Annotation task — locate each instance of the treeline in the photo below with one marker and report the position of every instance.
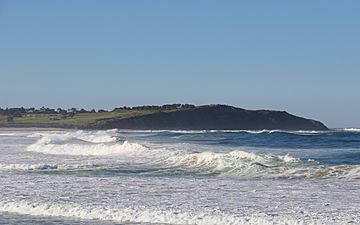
(19, 112)
(156, 107)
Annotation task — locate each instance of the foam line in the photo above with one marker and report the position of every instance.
(145, 215)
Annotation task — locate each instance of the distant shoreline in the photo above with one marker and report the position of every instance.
(166, 117)
(32, 129)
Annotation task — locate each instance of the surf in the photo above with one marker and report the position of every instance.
(144, 215)
(181, 158)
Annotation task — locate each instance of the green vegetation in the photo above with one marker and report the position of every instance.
(74, 118)
(166, 117)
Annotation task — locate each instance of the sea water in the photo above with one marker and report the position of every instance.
(180, 177)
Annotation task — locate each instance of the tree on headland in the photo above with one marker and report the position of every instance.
(73, 110)
(83, 111)
(156, 107)
(61, 111)
(21, 111)
(15, 112)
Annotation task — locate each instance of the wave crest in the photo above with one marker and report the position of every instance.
(82, 143)
(181, 158)
(93, 137)
(352, 129)
(235, 163)
(45, 145)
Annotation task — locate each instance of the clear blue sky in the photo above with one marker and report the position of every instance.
(298, 56)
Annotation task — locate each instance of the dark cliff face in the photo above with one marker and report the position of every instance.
(217, 117)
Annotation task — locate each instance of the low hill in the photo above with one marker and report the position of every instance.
(166, 117)
(212, 117)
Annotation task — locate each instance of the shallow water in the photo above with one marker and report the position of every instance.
(180, 177)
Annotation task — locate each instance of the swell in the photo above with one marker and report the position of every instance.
(180, 159)
(256, 170)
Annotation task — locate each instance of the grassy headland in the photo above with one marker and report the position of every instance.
(166, 117)
(75, 118)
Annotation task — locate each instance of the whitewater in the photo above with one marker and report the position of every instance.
(180, 177)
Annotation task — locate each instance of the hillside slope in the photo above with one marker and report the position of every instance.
(213, 117)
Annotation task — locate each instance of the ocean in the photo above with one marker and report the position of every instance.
(180, 177)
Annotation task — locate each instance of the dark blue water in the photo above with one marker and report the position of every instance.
(334, 147)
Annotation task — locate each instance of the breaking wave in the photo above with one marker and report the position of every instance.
(254, 170)
(300, 132)
(179, 159)
(47, 146)
(82, 143)
(101, 136)
(352, 129)
(7, 134)
(146, 215)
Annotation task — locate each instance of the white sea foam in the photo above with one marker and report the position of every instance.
(92, 175)
(196, 164)
(247, 164)
(216, 131)
(7, 134)
(148, 215)
(67, 144)
(46, 145)
(14, 134)
(352, 129)
(300, 132)
(39, 166)
(186, 131)
(342, 171)
(236, 163)
(82, 143)
(19, 166)
(94, 136)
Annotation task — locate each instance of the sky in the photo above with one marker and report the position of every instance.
(298, 56)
